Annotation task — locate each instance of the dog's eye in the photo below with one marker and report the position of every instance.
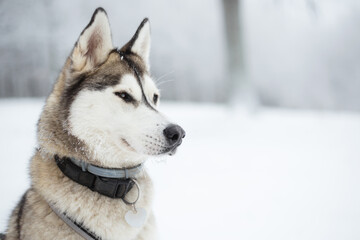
(155, 98)
(124, 96)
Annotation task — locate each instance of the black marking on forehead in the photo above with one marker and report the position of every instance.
(131, 64)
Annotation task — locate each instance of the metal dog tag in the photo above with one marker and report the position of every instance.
(136, 218)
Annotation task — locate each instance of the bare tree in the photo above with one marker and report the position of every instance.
(239, 86)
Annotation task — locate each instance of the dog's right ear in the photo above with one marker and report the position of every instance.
(93, 45)
(140, 42)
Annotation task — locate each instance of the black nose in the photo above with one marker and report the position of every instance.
(174, 134)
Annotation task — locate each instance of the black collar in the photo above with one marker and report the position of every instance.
(109, 187)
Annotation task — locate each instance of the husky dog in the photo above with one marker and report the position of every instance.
(99, 124)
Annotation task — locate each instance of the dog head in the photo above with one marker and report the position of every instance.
(108, 99)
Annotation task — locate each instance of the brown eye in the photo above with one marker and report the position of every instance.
(124, 96)
(155, 98)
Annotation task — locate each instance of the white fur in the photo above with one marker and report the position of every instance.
(101, 119)
(150, 89)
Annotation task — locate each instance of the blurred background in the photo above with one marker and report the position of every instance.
(293, 53)
(268, 92)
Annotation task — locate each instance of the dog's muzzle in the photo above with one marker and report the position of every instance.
(174, 135)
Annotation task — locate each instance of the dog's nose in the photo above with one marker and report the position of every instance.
(174, 134)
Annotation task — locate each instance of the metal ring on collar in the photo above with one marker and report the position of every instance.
(138, 196)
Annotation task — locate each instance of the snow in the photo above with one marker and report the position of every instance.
(268, 174)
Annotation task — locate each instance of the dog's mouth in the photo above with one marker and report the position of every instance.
(172, 150)
(158, 149)
(127, 144)
(155, 146)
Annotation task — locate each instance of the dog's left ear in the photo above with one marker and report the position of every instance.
(140, 42)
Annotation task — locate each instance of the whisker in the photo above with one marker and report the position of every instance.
(161, 83)
(164, 75)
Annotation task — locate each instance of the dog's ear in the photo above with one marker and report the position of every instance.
(94, 43)
(140, 42)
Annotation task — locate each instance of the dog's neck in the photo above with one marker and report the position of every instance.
(114, 158)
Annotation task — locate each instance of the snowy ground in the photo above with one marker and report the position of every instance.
(273, 174)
